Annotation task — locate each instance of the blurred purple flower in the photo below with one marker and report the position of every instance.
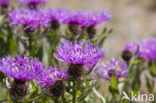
(29, 18)
(50, 76)
(132, 46)
(59, 14)
(87, 18)
(21, 69)
(106, 70)
(4, 3)
(79, 53)
(147, 48)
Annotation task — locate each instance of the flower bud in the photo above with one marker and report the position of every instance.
(74, 28)
(91, 30)
(18, 90)
(54, 25)
(76, 71)
(127, 55)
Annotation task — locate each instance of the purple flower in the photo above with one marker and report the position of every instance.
(132, 46)
(106, 70)
(79, 53)
(147, 48)
(35, 2)
(4, 3)
(59, 14)
(50, 76)
(87, 18)
(21, 69)
(29, 18)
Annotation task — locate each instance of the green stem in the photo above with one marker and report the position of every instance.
(30, 44)
(74, 91)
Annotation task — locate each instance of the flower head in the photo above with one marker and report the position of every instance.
(51, 76)
(87, 18)
(79, 53)
(29, 18)
(21, 69)
(106, 70)
(4, 3)
(147, 48)
(59, 14)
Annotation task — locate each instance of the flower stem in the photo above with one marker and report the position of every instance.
(30, 44)
(74, 91)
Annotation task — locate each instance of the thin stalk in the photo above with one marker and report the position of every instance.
(30, 44)
(74, 91)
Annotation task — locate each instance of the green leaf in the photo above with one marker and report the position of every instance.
(102, 99)
(86, 92)
(150, 85)
(153, 69)
(82, 36)
(69, 34)
(114, 88)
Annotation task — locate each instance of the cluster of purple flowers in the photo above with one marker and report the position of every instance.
(27, 68)
(147, 48)
(32, 18)
(106, 70)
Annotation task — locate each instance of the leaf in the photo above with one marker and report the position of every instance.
(86, 92)
(150, 85)
(91, 69)
(102, 41)
(102, 99)
(103, 33)
(153, 69)
(82, 36)
(136, 61)
(70, 36)
(114, 88)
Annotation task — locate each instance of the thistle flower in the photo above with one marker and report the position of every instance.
(30, 19)
(32, 3)
(147, 48)
(52, 80)
(78, 54)
(4, 3)
(106, 70)
(21, 70)
(57, 16)
(51, 76)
